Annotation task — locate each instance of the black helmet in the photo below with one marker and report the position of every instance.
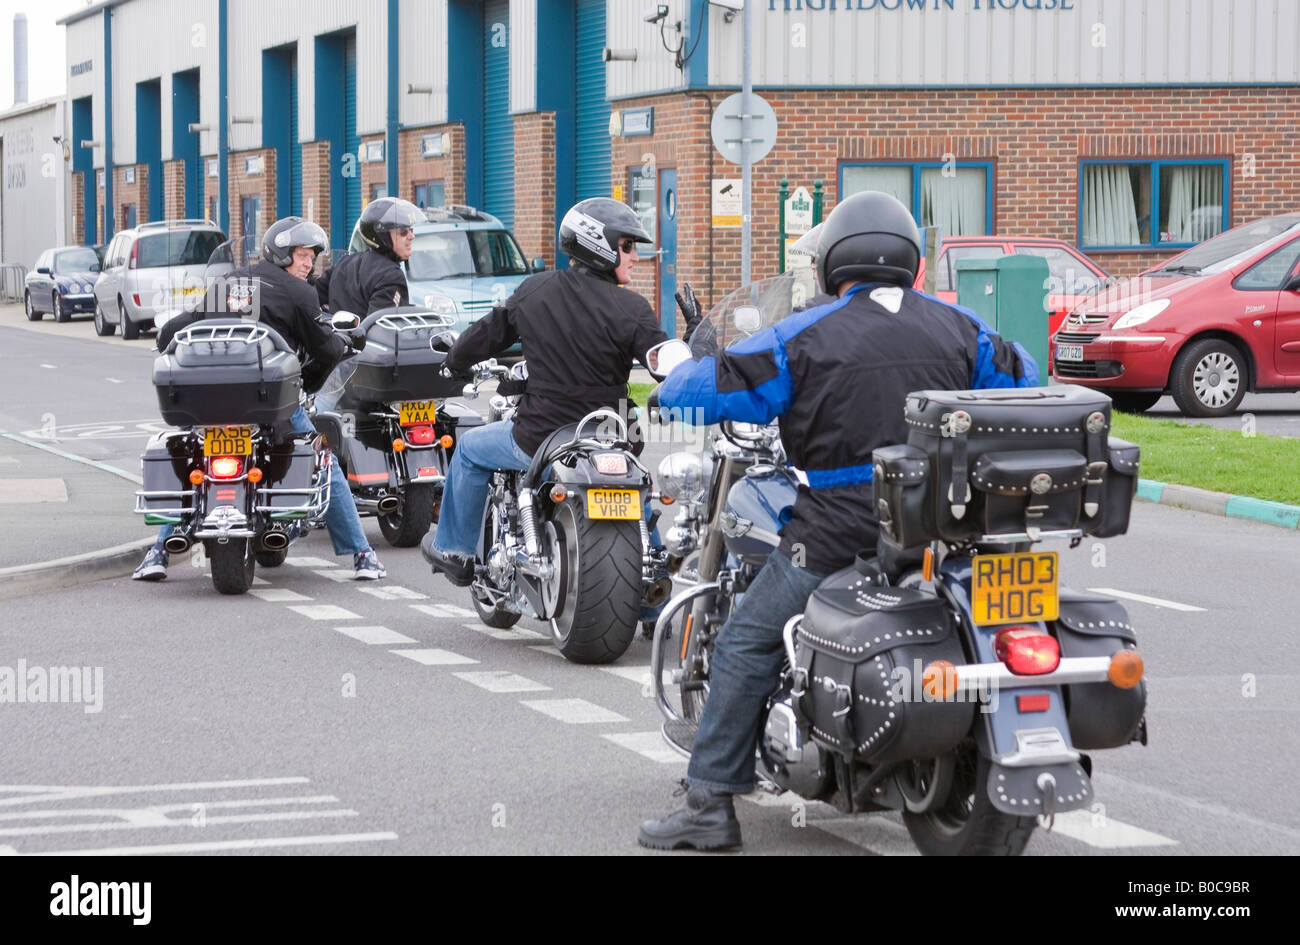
(384, 214)
(283, 235)
(590, 231)
(869, 237)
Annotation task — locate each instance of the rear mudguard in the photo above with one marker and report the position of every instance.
(1034, 767)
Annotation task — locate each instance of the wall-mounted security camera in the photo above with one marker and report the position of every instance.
(659, 12)
(620, 55)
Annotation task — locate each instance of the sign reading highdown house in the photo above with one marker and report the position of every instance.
(855, 5)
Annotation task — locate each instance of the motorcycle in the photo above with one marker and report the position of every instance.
(947, 675)
(566, 541)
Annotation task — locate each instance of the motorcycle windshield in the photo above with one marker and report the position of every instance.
(760, 305)
(332, 389)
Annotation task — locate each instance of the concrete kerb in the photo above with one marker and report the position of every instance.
(118, 561)
(1219, 503)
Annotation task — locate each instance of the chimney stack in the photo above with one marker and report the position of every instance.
(20, 58)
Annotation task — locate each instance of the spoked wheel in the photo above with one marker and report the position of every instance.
(492, 614)
(697, 654)
(32, 314)
(1209, 378)
(103, 327)
(61, 314)
(925, 782)
(965, 823)
(405, 527)
(598, 572)
(232, 565)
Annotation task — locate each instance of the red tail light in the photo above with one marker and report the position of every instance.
(1027, 651)
(420, 436)
(225, 467)
(136, 296)
(1039, 702)
(135, 258)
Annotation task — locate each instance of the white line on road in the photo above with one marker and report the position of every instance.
(443, 610)
(1106, 832)
(499, 680)
(114, 380)
(574, 711)
(1142, 598)
(51, 367)
(48, 793)
(185, 821)
(335, 574)
(435, 657)
(393, 592)
(514, 633)
(375, 635)
(648, 745)
(309, 563)
(217, 845)
(278, 595)
(879, 835)
(325, 612)
(548, 649)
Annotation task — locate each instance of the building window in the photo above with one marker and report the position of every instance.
(430, 193)
(957, 198)
(1151, 204)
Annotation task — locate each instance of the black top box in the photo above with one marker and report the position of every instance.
(397, 362)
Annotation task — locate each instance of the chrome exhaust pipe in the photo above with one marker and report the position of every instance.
(388, 504)
(659, 592)
(274, 541)
(175, 544)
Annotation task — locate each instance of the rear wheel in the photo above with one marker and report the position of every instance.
(405, 527)
(598, 564)
(103, 327)
(1133, 401)
(130, 329)
(60, 313)
(32, 314)
(966, 823)
(232, 565)
(1209, 378)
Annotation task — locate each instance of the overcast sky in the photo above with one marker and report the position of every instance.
(47, 71)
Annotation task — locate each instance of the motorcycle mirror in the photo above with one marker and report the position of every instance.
(469, 392)
(344, 321)
(747, 319)
(663, 357)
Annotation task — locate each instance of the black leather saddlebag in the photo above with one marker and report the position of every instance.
(1100, 715)
(860, 656)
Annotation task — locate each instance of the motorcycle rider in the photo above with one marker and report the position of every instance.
(275, 291)
(862, 352)
(366, 282)
(580, 332)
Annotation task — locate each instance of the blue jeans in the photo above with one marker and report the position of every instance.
(341, 517)
(746, 668)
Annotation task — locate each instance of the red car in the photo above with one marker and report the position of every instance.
(1208, 325)
(1073, 275)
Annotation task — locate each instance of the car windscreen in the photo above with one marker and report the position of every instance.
(76, 260)
(181, 248)
(1227, 249)
(464, 254)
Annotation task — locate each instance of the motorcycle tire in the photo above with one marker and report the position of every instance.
(694, 684)
(268, 558)
(405, 527)
(601, 568)
(232, 565)
(967, 823)
(494, 615)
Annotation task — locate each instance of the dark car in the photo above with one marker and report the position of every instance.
(63, 283)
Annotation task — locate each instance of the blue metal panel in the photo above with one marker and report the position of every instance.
(697, 40)
(331, 126)
(498, 126)
(391, 124)
(277, 108)
(295, 141)
(83, 129)
(465, 87)
(352, 141)
(592, 121)
(148, 141)
(185, 143)
(556, 93)
(108, 124)
(223, 122)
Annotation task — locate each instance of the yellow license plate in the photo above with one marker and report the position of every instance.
(192, 290)
(415, 412)
(228, 441)
(614, 503)
(1015, 588)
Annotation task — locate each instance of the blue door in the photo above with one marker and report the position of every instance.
(668, 250)
(591, 125)
(498, 125)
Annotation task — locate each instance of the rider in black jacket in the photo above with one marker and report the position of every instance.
(365, 282)
(580, 331)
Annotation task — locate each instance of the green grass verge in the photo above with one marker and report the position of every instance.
(1265, 467)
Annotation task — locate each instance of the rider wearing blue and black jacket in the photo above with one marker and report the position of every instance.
(836, 376)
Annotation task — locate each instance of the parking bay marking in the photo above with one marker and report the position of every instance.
(1153, 601)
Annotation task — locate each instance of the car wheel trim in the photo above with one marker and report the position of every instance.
(1215, 379)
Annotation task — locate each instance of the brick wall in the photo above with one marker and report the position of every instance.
(101, 220)
(135, 193)
(316, 183)
(78, 208)
(241, 185)
(373, 173)
(413, 168)
(211, 192)
(174, 190)
(535, 210)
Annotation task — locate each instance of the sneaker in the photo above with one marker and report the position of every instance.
(367, 567)
(153, 567)
(458, 568)
(707, 821)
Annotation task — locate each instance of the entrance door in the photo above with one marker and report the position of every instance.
(668, 250)
(252, 222)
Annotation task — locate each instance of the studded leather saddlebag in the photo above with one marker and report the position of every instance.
(1100, 715)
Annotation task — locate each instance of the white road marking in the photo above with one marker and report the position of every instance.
(217, 845)
(381, 636)
(1142, 598)
(443, 610)
(648, 745)
(32, 491)
(51, 367)
(9, 461)
(637, 674)
(185, 820)
(114, 380)
(514, 633)
(310, 563)
(1106, 832)
(435, 657)
(325, 612)
(47, 793)
(278, 595)
(498, 680)
(548, 649)
(335, 574)
(880, 835)
(393, 592)
(574, 711)
(260, 581)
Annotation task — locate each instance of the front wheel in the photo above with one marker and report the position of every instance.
(1209, 378)
(598, 564)
(405, 527)
(966, 823)
(103, 327)
(232, 565)
(1134, 401)
(61, 314)
(32, 314)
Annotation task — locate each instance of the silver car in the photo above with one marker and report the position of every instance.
(153, 268)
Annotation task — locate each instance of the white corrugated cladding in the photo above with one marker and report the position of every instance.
(523, 56)
(85, 44)
(654, 69)
(963, 42)
(151, 40)
(256, 25)
(422, 46)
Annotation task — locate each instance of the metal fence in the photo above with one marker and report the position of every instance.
(13, 278)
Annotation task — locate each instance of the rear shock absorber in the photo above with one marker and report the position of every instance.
(527, 522)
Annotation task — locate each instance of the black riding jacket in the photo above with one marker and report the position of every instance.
(264, 292)
(837, 375)
(580, 333)
(362, 283)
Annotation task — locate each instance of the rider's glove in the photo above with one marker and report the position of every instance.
(704, 341)
(357, 338)
(690, 307)
(443, 341)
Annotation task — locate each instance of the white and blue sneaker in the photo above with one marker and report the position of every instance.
(366, 566)
(153, 567)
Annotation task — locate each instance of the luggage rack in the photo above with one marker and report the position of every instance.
(317, 498)
(414, 321)
(1035, 535)
(246, 333)
(167, 515)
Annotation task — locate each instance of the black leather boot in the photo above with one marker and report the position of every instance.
(459, 570)
(707, 821)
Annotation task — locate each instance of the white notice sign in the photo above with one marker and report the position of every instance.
(727, 203)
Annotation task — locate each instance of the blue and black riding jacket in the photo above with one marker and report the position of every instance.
(837, 375)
